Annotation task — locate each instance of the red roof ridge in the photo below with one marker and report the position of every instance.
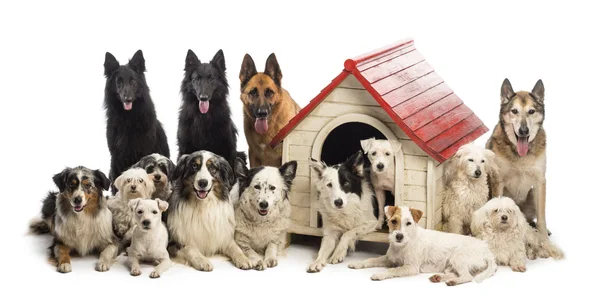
(351, 64)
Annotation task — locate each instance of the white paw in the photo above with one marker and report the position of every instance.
(271, 262)
(154, 274)
(243, 263)
(518, 268)
(315, 267)
(135, 272)
(260, 265)
(202, 264)
(338, 257)
(64, 267)
(102, 266)
(380, 276)
(356, 265)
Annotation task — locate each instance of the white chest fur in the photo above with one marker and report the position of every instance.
(85, 233)
(149, 245)
(384, 181)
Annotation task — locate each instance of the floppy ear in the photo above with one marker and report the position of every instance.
(101, 180)
(170, 169)
(389, 211)
(288, 172)
(150, 187)
(479, 220)
(356, 162)
(191, 61)
(396, 145)
(137, 62)
(240, 170)
(247, 71)
(366, 144)
(317, 166)
(272, 69)
(60, 179)
(416, 214)
(521, 220)
(506, 91)
(538, 91)
(219, 60)
(119, 181)
(133, 203)
(110, 64)
(162, 205)
(180, 168)
(225, 171)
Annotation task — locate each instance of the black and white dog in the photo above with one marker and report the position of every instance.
(200, 218)
(160, 170)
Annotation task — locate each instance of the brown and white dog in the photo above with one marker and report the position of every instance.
(519, 143)
(268, 107)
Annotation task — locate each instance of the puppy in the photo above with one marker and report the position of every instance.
(78, 218)
(503, 226)
(262, 212)
(383, 169)
(150, 238)
(132, 183)
(465, 187)
(159, 168)
(201, 218)
(415, 250)
(346, 205)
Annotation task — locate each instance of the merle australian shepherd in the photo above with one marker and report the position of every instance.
(132, 129)
(205, 117)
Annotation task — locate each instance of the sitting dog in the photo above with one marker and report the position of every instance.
(159, 168)
(415, 250)
(466, 188)
(346, 205)
(132, 183)
(503, 226)
(263, 210)
(383, 169)
(150, 238)
(78, 218)
(200, 218)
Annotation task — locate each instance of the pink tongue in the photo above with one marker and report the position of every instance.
(127, 105)
(202, 194)
(261, 125)
(522, 146)
(204, 106)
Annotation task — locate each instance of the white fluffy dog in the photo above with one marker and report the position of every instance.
(415, 250)
(150, 238)
(383, 169)
(132, 183)
(466, 188)
(501, 223)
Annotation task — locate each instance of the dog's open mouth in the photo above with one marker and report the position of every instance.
(261, 125)
(202, 194)
(263, 212)
(78, 208)
(522, 145)
(127, 105)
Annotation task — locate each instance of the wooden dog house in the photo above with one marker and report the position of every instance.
(390, 93)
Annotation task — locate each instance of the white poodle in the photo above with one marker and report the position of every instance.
(466, 187)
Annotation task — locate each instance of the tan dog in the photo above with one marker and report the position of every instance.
(268, 107)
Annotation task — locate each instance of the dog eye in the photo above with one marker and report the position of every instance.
(140, 212)
(133, 82)
(329, 185)
(496, 211)
(394, 222)
(268, 93)
(194, 166)
(373, 153)
(257, 186)
(73, 185)
(514, 111)
(408, 224)
(531, 111)
(149, 169)
(387, 154)
(141, 180)
(272, 187)
(482, 161)
(211, 78)
(471, 159)
(253, 92)
(128, 180)
(155, 212)
(162, 167)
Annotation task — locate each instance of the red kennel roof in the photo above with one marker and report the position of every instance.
(413, 95)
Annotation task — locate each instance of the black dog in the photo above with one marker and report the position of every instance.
(204, 117)
(132, 129)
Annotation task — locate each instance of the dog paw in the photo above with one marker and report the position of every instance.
(436, 278)
(243, 264)
(102, 266)
(135, 272)
(518, 268)
(451, 283)
(260, 265)
(271, 262)
(338, 257)
(154, 274)
(64, 267)
(315, 267)
(202, 264)
(380, 276)
(356, 265)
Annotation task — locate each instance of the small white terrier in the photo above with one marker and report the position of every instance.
(383, 169)
(415, 250)
(150, 238)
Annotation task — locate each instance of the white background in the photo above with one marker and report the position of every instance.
(52, 89)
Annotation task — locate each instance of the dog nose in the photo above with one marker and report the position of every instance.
(77, 200)
(338, 202)
(477, 173)
(203, 97)
(146, 223)
(261, 113)
(380, 166)
(263, 204)
(399, 236)
(504, 218)
(133, 187)
(523, 131)
(203, 183)
(157, 177)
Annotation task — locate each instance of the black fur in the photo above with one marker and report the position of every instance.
(349, 176)
(150, 164)
(135, 133)
(189, 164)
(213, 131)
(244, 175)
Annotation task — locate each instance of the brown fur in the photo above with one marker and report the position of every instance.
(394, 216)
(62, 254)
(91, 207)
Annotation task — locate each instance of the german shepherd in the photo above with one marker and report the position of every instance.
(519, 142)
(268, 107)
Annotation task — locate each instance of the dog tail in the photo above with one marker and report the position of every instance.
(489, 271)
(44, 225)
(39, 226)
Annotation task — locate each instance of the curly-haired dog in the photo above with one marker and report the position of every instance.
(466, 188)
(346, 205)
(150, 238)
(200, 219)
(263, 210)
(159, 168)
(415, 250)
(503, 226)
(78, 218)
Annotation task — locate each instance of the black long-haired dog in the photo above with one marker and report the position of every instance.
(205, 117)
(132, 129)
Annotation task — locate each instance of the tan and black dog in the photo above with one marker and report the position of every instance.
(519, 142)
(268, 107)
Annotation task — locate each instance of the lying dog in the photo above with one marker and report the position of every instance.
(465, 187)
(262, 211)
(78, 218)
(383, 169)
(150, 238)
(415, 250)
(159, 168)
(346, 206)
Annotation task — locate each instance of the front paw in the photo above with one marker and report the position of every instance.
(102, 266)
(518, 268)
(271, 262)
(64, 267)
(154, 274)
(356, 265)
(380, 276)
(202, 264)
(135, 272)
(315, 267)
(243, 263)
(338, 257)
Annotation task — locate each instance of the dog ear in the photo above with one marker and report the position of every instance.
(538, 91)
(506, 91)
(162, 205)
(366, 144)
(356, 162)
(240, 170)
(137, 62)
(101, 180)
(133, 203)
(180, 168)
(191, 61)
(272, 69)
(396, 145)
(60, 179)
(119, 181)
(219, 60)
(110, 64)
(479, 220)
(150, 187)
(170, 169)
(317, 166)
(389, 211)
(288, 172)
(416, 214)
(225, 171)
(247, 71)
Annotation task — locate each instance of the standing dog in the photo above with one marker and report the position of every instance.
(132, 129)
(159, 169)
(201, 218)
(268, 107)
(78, 218)
(346, 205)
(519, 142)
(204, 117)
(383, 169)
(415, 250)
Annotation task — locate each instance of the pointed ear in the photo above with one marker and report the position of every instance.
(272, 69)
(191, 61)
(538, 91)
(506, 91)
(396, 145)
(219, 60)
(162, 205)
(389, 211)
(317, 166)
(110, 64)
(366, 144)
(240, 170)
(133, 203)
(356, 162)
(180, 168)
(247, 71)
(60, 179)
(137, 62)
(416, 214)
(288, 172)
(101, 180)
